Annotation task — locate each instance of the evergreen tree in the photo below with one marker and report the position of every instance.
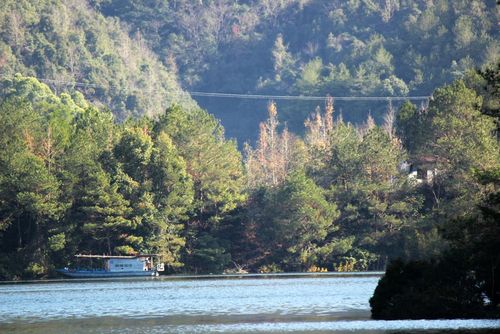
(173, 191)
(293, 222)
(105, 215)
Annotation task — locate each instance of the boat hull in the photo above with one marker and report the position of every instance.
(106, 274)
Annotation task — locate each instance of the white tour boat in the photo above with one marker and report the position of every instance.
(117, 266)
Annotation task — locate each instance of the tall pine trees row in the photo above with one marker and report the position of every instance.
(72, 180)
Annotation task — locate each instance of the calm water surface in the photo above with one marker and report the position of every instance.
(319, 304)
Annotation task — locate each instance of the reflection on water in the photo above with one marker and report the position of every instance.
(317, 304)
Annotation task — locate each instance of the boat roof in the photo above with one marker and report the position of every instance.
(90, 256)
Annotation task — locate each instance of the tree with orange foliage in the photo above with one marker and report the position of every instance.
(270, 162)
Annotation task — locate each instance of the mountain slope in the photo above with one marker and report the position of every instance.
(312, 47)
(66, 41)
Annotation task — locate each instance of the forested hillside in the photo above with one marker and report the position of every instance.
(312, 47)
(67, 41)
(133, 56)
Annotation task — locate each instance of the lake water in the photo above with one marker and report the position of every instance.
(281, 304)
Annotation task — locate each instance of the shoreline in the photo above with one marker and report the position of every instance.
(206, 276)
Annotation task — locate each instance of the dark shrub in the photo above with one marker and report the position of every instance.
(427, 290)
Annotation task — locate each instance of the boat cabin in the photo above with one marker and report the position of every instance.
(120, 264)
(124, 263)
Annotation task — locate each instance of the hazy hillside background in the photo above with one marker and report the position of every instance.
(301, 47)
(134, 56)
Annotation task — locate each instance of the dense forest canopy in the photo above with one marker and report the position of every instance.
(134, 56)
(339, 198)
(72, 180)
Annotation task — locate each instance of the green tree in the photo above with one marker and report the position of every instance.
(215, 168)
(30, 197)
(375, 201)
(283, 60)
(454, 284)
(294, 222)
(466, 212)
(173, 192)
(460, 136)
(104, 213)
(133, 151)
(213, 162)
(409, 127)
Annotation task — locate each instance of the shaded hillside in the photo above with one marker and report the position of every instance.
(359, 48)
(67, 41)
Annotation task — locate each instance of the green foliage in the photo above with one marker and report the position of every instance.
(67, 42)
(35, 269)
(357, 172)
(457, 137)
(213, 166)
(409, 127)
(134, 150)
(73, 181)
(106, 214)
(57, 242)
(213, 162)
(291, 47)
(209, 255)
(373, 196)
(310, 76)
(420, 290)
(456, 283)
(292, 222)
(31, 200)
(284, 62)
(460, 280)
(489, 88)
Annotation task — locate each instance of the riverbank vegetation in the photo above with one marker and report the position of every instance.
(339, 198)
(462, 279)
(72, 180)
